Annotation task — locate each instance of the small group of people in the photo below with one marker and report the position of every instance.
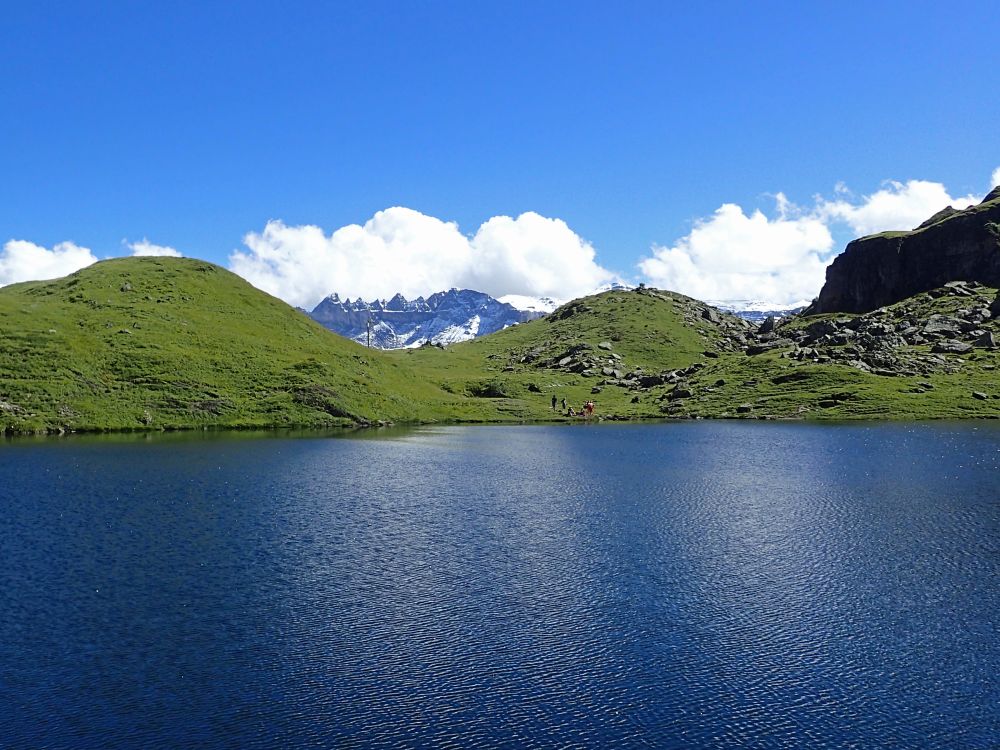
(586, 411)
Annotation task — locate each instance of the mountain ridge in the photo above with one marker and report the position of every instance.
(398, 323)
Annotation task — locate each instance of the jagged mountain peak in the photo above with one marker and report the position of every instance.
(441, 318)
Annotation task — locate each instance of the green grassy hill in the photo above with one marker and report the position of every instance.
(649, 353)
(161, 343)
(574, 353)
(155, 343)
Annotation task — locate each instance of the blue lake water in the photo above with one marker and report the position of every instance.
(707, 585)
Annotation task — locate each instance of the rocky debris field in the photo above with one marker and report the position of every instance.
(905, 339)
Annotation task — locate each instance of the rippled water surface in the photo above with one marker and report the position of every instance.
(674, 586)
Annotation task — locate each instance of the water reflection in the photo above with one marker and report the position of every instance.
(674, 585)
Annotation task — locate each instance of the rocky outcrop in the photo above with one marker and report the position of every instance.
(886, 268)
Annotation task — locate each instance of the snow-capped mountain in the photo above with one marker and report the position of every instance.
(442, 318)
(757, 310)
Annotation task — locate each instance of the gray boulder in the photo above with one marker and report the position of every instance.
(951, 347)
(942, 325)
(986, 341)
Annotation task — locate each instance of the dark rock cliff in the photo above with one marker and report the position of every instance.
(886, 268)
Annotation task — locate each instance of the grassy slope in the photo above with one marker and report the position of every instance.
(661, 331)
(647, 330)
(858, 395)
(160, 342)
(164, 342)
(875, 397)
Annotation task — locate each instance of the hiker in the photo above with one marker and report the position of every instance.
(564, 403)
(571, 412)
(554, 402)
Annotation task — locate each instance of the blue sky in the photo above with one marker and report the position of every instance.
(193, 124)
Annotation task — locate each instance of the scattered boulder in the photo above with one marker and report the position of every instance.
(951, 346)
(979, 395)
(986, 341)
(821, 328)
(942, 325)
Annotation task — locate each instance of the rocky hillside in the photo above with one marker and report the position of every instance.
(885, 268)
(652, 353)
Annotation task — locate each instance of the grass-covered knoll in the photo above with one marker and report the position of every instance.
(618, 334)
(163, 342)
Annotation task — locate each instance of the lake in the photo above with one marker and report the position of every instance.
(696, 585)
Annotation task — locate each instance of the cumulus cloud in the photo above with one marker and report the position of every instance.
(733, 255)
(402, 250)
(740, 255)
(25, 261)
(995, 179)
(532, 255)
(146, 248)
(898, 205)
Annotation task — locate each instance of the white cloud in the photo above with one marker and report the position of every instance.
(533, 255)
(402, 250)
(25, 261)
(995, 179)
(146, 248)
(735, 255)
(732, 256)
(897, 206)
